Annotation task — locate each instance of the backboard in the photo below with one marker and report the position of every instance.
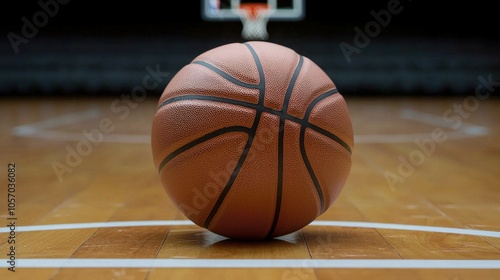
(227, 10)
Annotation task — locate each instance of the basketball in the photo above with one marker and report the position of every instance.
(252, 140)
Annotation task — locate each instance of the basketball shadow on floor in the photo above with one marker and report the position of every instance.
(312, 241)
(201, 243)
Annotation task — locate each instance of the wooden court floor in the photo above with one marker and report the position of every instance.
(422, 200)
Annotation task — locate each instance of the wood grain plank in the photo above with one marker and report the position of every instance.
(428, 245)
(233, 273)
(28, 273)
(346, 242)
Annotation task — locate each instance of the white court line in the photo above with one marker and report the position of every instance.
(359, 139)
(409, 114)
(462, 231)
(421, 117)
(78, 136)
(462, 132)
(410, 138)
(34, 128)
(39, 130)
(254, 263)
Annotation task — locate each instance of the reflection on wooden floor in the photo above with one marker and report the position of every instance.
(430, 163)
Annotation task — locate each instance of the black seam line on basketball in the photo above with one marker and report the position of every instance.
(281, 137)
(291, 85)
(260, 108)
(331, 136)
(225, 75)
(279, 189)
(200, 140)
(305, 122)
(303, 148)
(229, 183)
(260, 69)
(248, 145)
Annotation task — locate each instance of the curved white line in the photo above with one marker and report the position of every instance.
(409, 138)
(358, 139)
(78, 136)
(34, 128)
(254, 263)
(39, 130)
(463, 132)
(462, 231)
(99, 225)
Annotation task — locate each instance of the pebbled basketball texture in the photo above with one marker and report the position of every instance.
(252, 140)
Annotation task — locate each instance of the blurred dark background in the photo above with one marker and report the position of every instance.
(104, 48)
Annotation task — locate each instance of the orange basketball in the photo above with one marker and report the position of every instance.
(252, 141)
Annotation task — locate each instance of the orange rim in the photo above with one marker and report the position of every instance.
(253, 8)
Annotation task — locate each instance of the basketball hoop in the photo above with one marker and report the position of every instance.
(254, 17)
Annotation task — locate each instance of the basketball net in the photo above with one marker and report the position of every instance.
(254, 17)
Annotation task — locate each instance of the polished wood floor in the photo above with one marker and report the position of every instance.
(422, 200)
